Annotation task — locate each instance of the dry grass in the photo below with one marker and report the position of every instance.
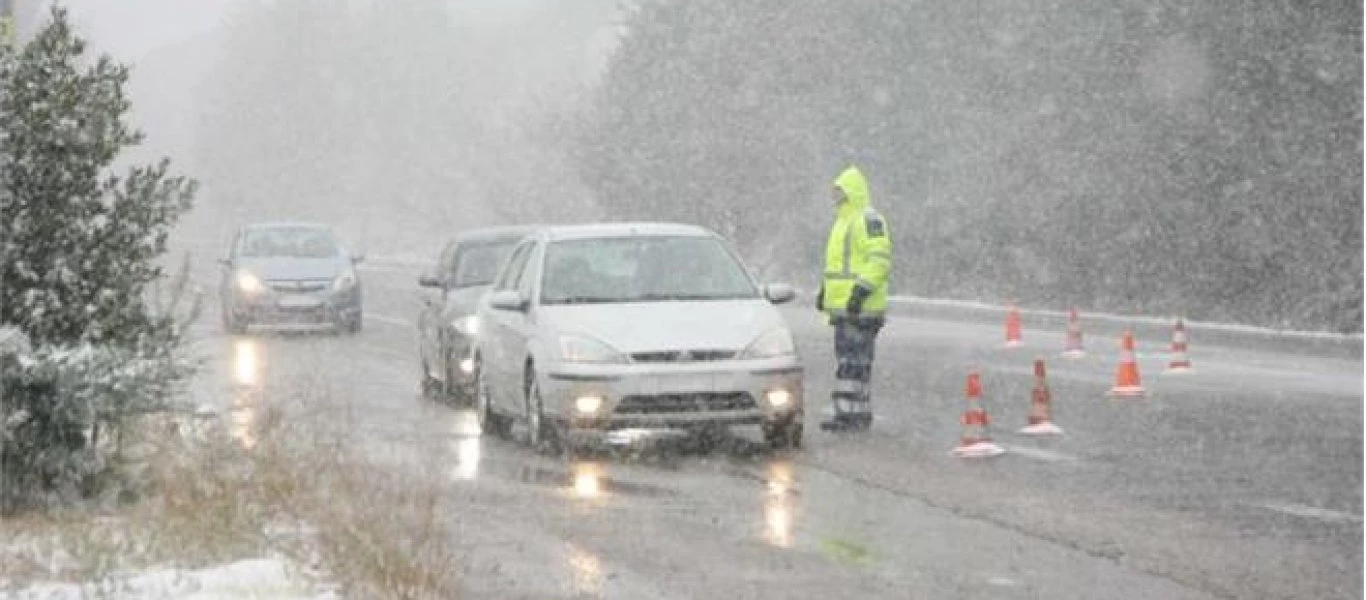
(294, 485)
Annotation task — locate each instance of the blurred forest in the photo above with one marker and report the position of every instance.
(1156, 156)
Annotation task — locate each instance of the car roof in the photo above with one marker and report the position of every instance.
(610, 230)
(483, 234)
(287, 225)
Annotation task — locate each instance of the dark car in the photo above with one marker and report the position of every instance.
(446, 325)
(290, 273)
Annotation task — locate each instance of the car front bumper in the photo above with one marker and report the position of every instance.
(273, 307)
(675, 395)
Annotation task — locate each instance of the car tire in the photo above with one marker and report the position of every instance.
(784, 435)
(431, 388)
(540, 433)
(490, 422)
(234, 324)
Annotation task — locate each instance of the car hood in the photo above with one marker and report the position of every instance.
(294, 268)
(465, 300)
(666, 326)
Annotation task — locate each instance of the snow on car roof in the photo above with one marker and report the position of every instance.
(492, 233)
(603, 230)
(287, 225)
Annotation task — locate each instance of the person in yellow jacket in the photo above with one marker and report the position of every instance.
(858, 263)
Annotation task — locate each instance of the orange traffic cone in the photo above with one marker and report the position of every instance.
(1040, 407)
(1013, 337)
(1073, 349)
(1180, 363)
(976, 441)
(1127, 382)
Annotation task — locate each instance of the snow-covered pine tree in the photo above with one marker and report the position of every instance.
(79, 243)
(78, 251)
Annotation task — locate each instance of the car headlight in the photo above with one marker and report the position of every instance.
(774, 343)
(468, 325)
(248, 283)
(344, 281)
(583, 349)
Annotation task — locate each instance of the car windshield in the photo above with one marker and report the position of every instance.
(642, 269)
(290, 242)
(478, 263)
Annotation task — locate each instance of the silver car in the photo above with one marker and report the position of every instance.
(616, 330)
(289, 273)
(446, 324)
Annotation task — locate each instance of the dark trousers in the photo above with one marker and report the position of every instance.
(855, 344)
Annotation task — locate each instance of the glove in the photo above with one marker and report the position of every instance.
(820, 299)
(856, 298)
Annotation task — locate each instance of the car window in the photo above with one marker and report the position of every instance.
(478, 263)
(508, 278)
(526, 276)
(289, 242)
(643, 269)
(446, 259)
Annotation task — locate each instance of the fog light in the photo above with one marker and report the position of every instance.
(467, 366)
(587, 405)
(779, 398)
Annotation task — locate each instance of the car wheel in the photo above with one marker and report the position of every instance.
(431, 388)
(540, 432)
(450, 387)
(490, 422)
(784, 435)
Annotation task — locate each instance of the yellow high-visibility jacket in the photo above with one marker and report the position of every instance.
(858, 252)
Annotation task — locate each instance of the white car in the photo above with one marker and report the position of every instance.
(602, 331)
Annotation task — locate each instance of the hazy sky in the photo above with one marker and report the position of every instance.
(129, 29)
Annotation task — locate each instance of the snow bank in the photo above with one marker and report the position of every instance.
(1126, 319)
(256, 578)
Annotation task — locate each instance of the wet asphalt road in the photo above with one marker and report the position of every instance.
(1240, 480)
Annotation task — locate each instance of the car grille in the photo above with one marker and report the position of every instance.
(298, 286)
(682, 356)
(685, 403)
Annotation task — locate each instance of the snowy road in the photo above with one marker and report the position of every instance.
(1242, 479)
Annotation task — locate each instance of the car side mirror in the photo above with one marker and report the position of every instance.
(358, 257)
(508, 300)
(779, 293)
(430, 281)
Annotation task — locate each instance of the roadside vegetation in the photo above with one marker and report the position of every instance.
(200, 491)
(105, 467)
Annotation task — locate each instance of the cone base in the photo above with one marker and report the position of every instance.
(1045, 428)
(1012, 344)
(1073, 353)
(1179, 368)
(1127, 391)
(979, 450)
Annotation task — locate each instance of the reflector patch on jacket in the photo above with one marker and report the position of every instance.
(874, 224)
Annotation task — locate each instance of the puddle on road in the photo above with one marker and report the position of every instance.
(587, 570)
(587, 480)
(246, 362)
(780, 504)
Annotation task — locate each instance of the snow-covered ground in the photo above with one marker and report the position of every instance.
(256, 578)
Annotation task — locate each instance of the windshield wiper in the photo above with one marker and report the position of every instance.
(686, 297)
(583, 300)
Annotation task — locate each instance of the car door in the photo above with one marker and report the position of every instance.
(521, 326)
(500, 366)
(433, 302)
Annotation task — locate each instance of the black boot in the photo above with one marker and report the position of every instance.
(839, 422)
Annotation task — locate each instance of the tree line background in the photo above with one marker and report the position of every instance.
(1155, 156)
